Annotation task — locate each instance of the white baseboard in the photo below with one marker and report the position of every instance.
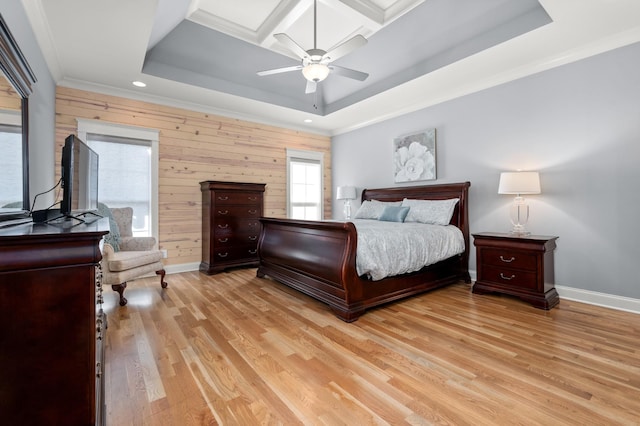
(605, 300)
(183, 267)
(612, 301)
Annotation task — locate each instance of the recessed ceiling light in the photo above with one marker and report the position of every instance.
(139, 84)
(308, 120)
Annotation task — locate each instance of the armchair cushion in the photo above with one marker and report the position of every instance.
(126, 260)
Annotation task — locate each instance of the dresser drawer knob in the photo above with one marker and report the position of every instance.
(504, 277)
(223, 254)
(221, 198)
(253, 251)
(223, 226)
(252, 198)
(223, 212)
(253, 237)
(253, 211)
(223, 240)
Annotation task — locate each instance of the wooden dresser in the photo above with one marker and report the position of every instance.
(51, 325)
(230, 225)
(521, 266)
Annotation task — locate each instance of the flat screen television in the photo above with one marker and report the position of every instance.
(79, 178)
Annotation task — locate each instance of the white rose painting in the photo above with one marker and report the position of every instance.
(415, 157)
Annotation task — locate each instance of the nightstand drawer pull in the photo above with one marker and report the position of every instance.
(223, 212)
(507, 260)
(223, 226)
(506, 278)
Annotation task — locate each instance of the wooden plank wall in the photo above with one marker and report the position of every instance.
(194, 147)
(9, 98)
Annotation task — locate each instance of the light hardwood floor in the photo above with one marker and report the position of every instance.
(232, 349)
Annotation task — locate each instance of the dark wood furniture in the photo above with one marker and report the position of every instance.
(319, 258)
(521, 266)
(230, 225)
(51, 325)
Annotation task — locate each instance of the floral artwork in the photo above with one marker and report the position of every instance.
(415, 157)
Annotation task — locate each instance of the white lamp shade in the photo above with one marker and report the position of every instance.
(315, 72)
(346, 193)
(519, 183)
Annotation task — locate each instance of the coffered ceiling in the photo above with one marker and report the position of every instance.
(204, 54)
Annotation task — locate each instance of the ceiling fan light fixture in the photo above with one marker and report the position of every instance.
(315, 72)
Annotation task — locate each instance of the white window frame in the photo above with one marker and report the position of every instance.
(293, 154)
(132, 132)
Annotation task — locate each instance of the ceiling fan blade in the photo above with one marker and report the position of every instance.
(280, 70)
(347, 47)
(311, 87)
(291, 45)
(347, 72)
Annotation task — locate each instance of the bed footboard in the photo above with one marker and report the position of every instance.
(326, 272)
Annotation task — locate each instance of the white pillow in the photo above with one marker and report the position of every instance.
(372, 209)
(436, 212)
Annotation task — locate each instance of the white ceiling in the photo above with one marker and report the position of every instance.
(102, 46)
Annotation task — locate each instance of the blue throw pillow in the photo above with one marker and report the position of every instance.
(394, 214)
(113, 237)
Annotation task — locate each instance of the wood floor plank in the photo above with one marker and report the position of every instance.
(233, 349)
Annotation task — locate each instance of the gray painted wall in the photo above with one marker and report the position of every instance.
(578, 125)
(42, 104)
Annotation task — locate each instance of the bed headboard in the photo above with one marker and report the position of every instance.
(445, 191)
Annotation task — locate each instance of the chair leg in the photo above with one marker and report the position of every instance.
(162, 273)
(120, 289)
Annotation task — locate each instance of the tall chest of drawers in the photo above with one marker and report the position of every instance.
(230, 224)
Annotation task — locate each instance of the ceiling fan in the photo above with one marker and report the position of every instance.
(317, 63)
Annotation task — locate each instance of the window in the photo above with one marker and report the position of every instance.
(128, 170)
(304, 184)
(11, 159)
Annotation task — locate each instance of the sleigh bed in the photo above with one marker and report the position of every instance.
(318, 258)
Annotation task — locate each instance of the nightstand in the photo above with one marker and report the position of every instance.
(521, 266)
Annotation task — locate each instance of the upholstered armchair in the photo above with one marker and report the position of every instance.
(125, 257)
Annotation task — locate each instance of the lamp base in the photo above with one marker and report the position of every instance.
(519, 217)
(347, 210)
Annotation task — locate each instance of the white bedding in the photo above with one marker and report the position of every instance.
(392, 248)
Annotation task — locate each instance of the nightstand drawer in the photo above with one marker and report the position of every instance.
(509, 258)
(506, 277)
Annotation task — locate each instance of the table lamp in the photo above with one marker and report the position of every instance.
(346, 193)
(519, 183)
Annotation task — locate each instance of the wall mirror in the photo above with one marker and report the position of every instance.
(15, 87)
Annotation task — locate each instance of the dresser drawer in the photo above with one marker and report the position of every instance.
(223, 211)
(509, 258)
(235, 240)
(509, 277)
(235, 226)
(233, 197)
(228, 254)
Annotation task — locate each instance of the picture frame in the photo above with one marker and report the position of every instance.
(414, 157)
